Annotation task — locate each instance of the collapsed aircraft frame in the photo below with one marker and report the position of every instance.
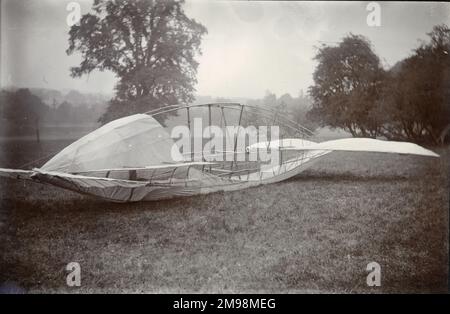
(132, 158)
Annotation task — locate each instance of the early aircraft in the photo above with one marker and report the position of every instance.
(132, 158)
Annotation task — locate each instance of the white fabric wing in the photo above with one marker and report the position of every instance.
(134, 141)
(369, 145)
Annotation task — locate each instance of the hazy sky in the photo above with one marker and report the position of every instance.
(251, 47)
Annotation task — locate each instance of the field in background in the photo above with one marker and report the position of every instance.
(313, 233)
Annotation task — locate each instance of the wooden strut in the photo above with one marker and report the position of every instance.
(187, 176)
(210, 123)
(151, 177)
(171, 176)
(236, 137)
(286, 121)
(222, 116)
(190, 134)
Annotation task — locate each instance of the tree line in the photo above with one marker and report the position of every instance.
(22, 112)
(410, 101)
(151, 46)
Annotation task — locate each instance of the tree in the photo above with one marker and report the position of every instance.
(300, 109)
(347, 87)
(23, 111)
(285, 109)
(150, 45)
(417, 92)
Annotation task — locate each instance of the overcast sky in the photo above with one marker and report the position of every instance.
(251, 47)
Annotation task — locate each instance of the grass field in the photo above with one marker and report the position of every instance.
(313, 233)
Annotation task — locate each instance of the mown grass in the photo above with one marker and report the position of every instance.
(313, 233)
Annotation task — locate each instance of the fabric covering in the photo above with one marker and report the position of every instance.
(287, 143)
(369, 145)
(16, 173)
(134, 141)
(348, 144)
(134, 158)
(106, 188)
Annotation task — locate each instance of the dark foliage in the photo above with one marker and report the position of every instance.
(347, 84)
(416, 96)
(150, 46)
(411, 101)
(24, 111)
(21, 111)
